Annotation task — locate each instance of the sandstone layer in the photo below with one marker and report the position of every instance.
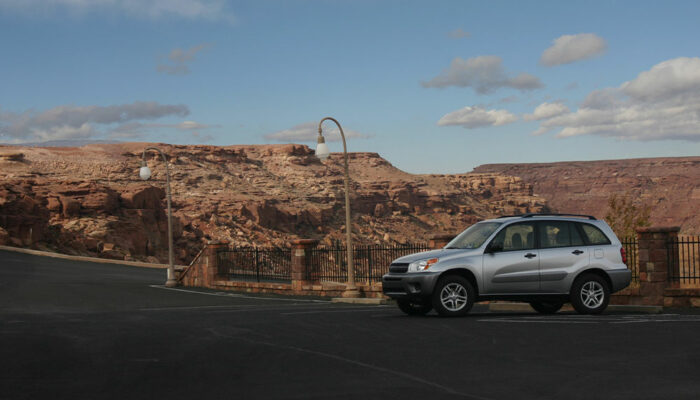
(90, 200)
(671, 186)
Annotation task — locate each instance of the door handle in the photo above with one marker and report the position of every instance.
(577, 252)
(530, 255)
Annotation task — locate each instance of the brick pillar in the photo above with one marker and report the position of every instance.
(652, 244)
(439, 241)
(211, 267)
(300, 265)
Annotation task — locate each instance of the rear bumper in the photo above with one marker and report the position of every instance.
(409, 285)
(620, 279)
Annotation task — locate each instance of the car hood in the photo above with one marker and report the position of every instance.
(443, 254)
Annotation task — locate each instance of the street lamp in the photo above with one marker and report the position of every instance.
(145, 173)
(322, 152)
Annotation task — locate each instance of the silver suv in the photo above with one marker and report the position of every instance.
(543, 259)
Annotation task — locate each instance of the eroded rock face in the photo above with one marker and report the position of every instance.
(671, 186)
(90, 200)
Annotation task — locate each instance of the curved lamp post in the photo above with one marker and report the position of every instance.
(322, 152)
(145, 173)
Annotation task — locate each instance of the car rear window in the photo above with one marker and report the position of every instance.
(595, 236)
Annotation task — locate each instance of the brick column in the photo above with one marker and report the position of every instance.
(652, 244)
(211, 267)
(300, 265)
(439, 241)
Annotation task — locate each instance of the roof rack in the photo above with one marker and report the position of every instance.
(530, 215)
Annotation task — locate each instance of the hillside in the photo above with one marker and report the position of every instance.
(89, 200)
(670, 185)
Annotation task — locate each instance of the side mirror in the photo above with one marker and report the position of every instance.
(494, 247)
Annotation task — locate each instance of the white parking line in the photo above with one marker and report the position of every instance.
(536, 321)
(238, 295)
(584, 319)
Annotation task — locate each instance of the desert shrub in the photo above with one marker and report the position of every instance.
(625, 214)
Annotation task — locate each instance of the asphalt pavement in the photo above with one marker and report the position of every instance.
(82, 330)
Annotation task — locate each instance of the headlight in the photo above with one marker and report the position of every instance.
(421, 265)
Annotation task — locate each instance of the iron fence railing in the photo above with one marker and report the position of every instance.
(371, 261)
(684, 260)
(632, 252)
(256, 264)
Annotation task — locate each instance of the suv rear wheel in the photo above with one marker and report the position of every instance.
(453, 296)
(590, 294)
(411, 308)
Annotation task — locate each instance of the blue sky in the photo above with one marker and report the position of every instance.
(434, 87)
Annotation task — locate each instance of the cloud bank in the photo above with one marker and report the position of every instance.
(546, 110)
(476, 117)
(571, 48)
(661, 103)
(308, 132)
(485, 74)
(77, 122)
(212, 10)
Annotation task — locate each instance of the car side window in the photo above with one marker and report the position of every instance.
(594, 235)
(559, 234)
(515, 237)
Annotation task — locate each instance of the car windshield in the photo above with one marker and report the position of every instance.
(474, 236)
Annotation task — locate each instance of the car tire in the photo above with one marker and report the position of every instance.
(590, 294)
(546, 307)
(453, 296)
(412, 308)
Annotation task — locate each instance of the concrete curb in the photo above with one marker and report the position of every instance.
(524, 307)
(362, 300)
(87, 259)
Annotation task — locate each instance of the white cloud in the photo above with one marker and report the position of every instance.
(570, 48)
(308, 132)
(67, 122)
(213, 10)
(547, 110)
(459, 33)
(484, 74)
(661, 103)
(139, 129)
(178, 60)
(476, 116)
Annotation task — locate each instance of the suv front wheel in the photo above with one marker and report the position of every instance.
(590, 294)
(453, 296)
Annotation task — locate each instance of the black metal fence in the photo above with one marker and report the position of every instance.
(684, 260)
(632, 252)
(371, 261)
(256, 264)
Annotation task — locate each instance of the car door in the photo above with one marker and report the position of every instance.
(512, 263)
(562, 253)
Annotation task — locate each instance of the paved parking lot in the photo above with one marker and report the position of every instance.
(71, 329)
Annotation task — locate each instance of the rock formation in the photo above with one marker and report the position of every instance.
(90, 200)
(671, 186)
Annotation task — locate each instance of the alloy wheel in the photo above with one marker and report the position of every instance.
(453, 296)
(592, 294)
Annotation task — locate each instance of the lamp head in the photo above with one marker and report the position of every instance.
(322, 151)
(144, 172)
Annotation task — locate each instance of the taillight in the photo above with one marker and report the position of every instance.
(623, 253)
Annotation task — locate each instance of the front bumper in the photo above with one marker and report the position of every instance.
(409, 285)
(620, 279)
